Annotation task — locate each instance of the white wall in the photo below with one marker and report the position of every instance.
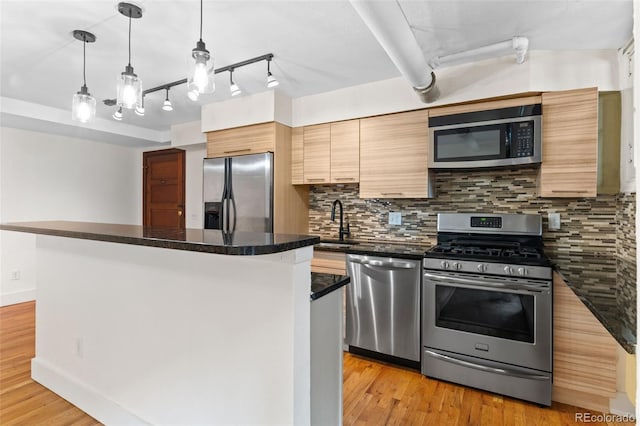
(48, 177)
(543, 71)
(193, 186)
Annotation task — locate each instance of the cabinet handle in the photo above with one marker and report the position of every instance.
(238, 150)
(315, 180)
(392, 193)
(560, 191)
(345, 178)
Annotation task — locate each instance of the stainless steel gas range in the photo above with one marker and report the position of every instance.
(487, 305)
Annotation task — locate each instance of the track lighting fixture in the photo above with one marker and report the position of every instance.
(129, 84)
(192, 92)
(201, 73)
(140, 108)
(167, 103)
(271, 80)
(233, 87)
(83, 106)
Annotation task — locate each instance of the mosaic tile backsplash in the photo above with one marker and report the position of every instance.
(626, 257)
(586, 248)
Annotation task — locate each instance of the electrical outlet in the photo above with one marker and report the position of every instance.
(15, 275)
(554, 221)
(395, 218)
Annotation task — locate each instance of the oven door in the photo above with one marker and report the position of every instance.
(502, 319)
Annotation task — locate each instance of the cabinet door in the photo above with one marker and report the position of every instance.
(345, 151)
(317, 153)
(297, 156)
(569, 144)
(255, 139)
(393, 156)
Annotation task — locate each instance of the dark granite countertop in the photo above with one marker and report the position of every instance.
(603, 305)
(323, 284)
(379, 248)
(200, 240)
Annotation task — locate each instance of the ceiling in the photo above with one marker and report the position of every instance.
(318, 46)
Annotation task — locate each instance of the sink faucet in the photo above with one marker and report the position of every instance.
(341, 231)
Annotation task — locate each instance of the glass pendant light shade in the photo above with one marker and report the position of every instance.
(83, 107)
(129, 89)
(201, 72)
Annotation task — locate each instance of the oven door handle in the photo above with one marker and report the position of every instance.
(386, 265)
(502, 371)
(475, 283)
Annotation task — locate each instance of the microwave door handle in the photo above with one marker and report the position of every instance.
(484, 282)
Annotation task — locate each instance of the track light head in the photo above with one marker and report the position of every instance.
(167, 103)
(118, 114)
(233, 87)
(271, 80)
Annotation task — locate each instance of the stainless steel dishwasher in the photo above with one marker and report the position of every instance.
(383, 307)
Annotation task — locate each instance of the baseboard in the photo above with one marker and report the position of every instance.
(580, 399)
(621, 405)
(16, 297)
(88, 399)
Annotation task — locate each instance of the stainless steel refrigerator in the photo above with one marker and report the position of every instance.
(238, 193)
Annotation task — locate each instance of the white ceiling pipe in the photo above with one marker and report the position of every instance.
(387, 22)
(518, 44)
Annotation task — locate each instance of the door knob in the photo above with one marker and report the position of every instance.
(179, 212)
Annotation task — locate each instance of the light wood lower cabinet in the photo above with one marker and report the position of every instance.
(329, 262)
(584, 353)
(569, 144)
(393, 156)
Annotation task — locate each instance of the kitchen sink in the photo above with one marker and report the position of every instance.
(335, 244)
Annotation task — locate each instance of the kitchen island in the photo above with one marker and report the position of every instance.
(149, 326)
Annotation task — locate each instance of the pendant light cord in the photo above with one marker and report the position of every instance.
(200, 20)
(84, 61)
(130, 12)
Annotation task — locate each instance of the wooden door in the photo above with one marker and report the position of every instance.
(163, 183)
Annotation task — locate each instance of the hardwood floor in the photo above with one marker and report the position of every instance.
(374, 393)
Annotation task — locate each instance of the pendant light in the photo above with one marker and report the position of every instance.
(167, 103)
(201, 73)
(83, 107)
(129, 84)
(233, 87)
(271, 80)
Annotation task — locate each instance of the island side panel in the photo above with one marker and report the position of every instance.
(155, 335)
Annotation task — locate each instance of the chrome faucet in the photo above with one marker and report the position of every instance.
(341, 231)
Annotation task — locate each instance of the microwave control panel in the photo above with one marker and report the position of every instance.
(522, 139)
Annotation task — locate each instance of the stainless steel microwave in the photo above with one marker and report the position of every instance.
(498, 137)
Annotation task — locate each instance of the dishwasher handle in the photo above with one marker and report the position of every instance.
(395, 264)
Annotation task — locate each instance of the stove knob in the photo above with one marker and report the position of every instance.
(508, 270)
(444, 264)
(456, 266)
(482, 267)
(522, 271)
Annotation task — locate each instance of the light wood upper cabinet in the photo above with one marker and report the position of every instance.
(345, 151)
(297, 156)
(317, 153)
(393, 156)
(253, 139)
(569, 144)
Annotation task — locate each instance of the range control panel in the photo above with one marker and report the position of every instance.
(486, 222)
